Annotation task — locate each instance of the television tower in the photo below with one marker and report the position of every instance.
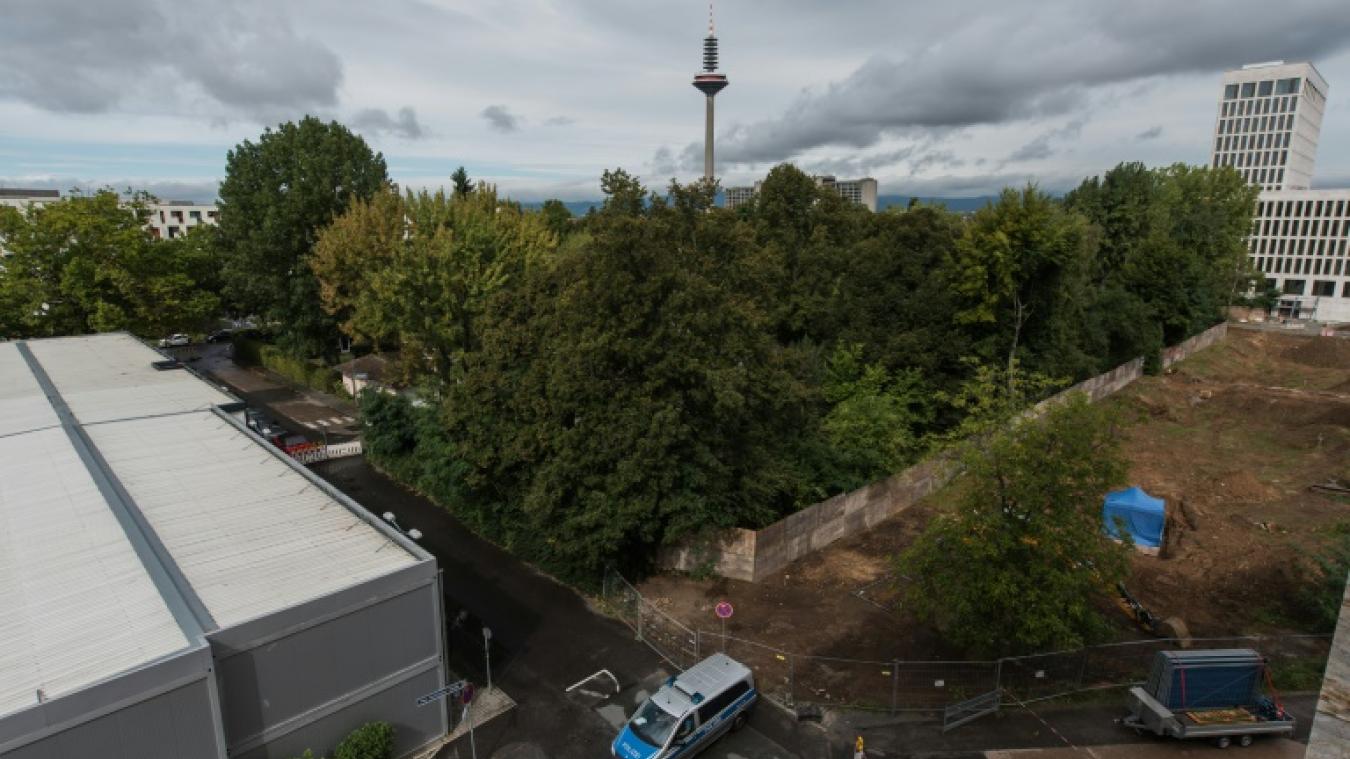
(709, 82)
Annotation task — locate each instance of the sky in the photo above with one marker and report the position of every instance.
(946, 99)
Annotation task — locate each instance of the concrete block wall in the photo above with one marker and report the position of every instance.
(752, 555)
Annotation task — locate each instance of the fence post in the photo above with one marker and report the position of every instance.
(639, 618)
(998, 675)
(1082, 667)
(792, 683)
(698, 644)
(895, 685)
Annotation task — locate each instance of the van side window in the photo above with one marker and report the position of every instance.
(711, 707)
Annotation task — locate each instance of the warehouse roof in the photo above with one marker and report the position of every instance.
(135, 516)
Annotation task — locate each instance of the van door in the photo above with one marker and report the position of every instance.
(684, 742)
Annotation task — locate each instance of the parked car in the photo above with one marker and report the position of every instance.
(176, 340)
(220, 336)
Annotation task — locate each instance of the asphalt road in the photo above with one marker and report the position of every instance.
(545, 637)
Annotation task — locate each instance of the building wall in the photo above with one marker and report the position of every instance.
(1330, 738)
(1268, 123)
(174, 219)
(306, 676)
(1300, 241)
(166, 710)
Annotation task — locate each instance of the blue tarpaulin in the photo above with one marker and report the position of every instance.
(1143, 515)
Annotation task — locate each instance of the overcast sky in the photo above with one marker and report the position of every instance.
(539, 96)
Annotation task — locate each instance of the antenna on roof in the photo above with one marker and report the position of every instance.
(711, 33)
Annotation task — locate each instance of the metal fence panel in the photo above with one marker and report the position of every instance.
(955, 688)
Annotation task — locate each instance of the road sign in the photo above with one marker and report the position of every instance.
(723, 609)
(452, 689)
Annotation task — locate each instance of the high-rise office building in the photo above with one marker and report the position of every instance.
(1270, 115)
(1269, 120)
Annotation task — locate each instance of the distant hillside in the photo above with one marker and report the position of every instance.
(577, 207)
(957, 205)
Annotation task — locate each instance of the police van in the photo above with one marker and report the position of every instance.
(690, 711)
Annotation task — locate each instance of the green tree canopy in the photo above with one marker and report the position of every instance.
(277, 194)
(1020, 561)
(87, 264)
(416, 271)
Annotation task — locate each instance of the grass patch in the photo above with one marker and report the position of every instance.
(1303, 673)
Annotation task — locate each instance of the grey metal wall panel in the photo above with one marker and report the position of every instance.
(63, 714)
(413, 726)
(272, 686)
(248, 635)
(178, 724)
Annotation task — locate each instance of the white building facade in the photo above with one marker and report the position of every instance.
(1268, 124)
(23, 199)
(176, 217)
(860, 191)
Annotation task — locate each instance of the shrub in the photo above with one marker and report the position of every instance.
(373, 740)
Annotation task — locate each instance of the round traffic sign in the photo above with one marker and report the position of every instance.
(723, 609)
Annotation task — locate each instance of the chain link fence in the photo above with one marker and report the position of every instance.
(897, 686)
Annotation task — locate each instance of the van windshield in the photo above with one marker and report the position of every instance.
(652, 724)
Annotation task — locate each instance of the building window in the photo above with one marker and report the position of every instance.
(1230, 92)
(1286, 86)
(1345, 291)
(1263, 89)
(1248, 89)
(1294, 286)
(1324, 287)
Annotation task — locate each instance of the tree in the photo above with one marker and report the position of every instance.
(874, 427)
(277, 194)
(557, 217)
(621, 396)
(87, 264)
(1020, 560)
(462, 184)
(417, 271)
(1021, 272)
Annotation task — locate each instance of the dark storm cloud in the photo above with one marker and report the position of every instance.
(377, 121)
(500, 118)
(1152, 133)
(87, 57)
(1004, 63)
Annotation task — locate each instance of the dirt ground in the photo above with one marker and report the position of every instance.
(1231, 438)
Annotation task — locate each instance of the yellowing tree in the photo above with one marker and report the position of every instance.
(414, 272)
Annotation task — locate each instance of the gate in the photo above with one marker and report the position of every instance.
(972, 709)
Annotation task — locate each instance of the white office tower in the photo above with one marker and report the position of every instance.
(1270, 115)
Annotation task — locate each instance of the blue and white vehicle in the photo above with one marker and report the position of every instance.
(690, 711)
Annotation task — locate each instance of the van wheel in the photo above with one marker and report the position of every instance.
(739, 722)
(1223, 741)
(1245, 741)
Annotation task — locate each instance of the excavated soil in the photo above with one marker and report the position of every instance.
(1231, 438)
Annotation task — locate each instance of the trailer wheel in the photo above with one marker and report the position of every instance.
(1245, 741)
(1223, 741)
(739, 722)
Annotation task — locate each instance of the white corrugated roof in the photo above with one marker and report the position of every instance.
(105, 377)
(22, 404)
(251, 535)
(76, 603)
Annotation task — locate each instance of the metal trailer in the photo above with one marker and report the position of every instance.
(1214, 695)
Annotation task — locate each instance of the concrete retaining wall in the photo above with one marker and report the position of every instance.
(752, 555)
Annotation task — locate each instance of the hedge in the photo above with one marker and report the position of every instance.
(298, 371)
